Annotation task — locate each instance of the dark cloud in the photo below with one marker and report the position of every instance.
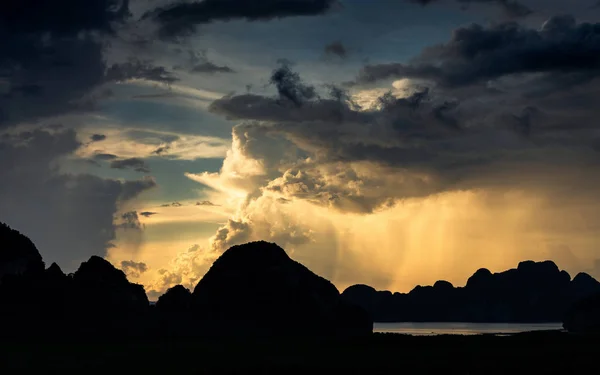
(174, 204)
(136, 69)
(148, 214)
(136, 164)
(51, 55)
(511, 8)
(63, 70)
(181, 18)
(133, 269)
(68, 216)
(92, 162)
(131, 189)
(289, 85)
(476, 54)
(211, 68)
(330, 152)
(161, 150)
(336, 49)
(52, 58)
(105, 157)
(97, 137)
(130, 220)
(61, 17)
(199, 63)
(261, 108)
(205, 203)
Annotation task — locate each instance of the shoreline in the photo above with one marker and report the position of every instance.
(463, 328)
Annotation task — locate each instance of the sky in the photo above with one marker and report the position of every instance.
(385, 142)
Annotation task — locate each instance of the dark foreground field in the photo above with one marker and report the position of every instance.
(531, 353)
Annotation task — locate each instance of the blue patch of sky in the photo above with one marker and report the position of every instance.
(381, 31)
(167, 116)
(169, 174)
(172, 183)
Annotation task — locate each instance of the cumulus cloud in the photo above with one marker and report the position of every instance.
(185, 269)
(133, 269)
(181, 18)
(302, 146)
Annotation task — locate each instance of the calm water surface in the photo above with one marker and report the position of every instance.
(429, 329)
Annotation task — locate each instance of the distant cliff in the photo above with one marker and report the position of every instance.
(533, 292)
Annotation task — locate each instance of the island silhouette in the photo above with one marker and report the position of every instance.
(256, 289)
(258, 311)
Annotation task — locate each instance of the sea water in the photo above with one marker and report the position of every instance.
(432, 329)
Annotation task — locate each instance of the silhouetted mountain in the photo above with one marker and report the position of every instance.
(18, 255)
(533, 292)
(251, 289)
(257, 289)
(176, 300)
(103, 290)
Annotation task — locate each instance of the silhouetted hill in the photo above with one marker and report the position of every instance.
(176, 300)
(257, 288)
(251, 289)
(533, 292)
(103, 290)
(18, 255)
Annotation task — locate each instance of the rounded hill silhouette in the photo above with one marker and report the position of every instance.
(258, 288)
(18, 255)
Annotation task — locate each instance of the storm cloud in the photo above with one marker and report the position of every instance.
(360, 160)
(182, 18)
(68, 216)
(511, 8)
(475, 54)
(50, 59)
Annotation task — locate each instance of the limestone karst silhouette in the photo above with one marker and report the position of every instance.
(531, 293)
(257, 289)
(251, 289)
